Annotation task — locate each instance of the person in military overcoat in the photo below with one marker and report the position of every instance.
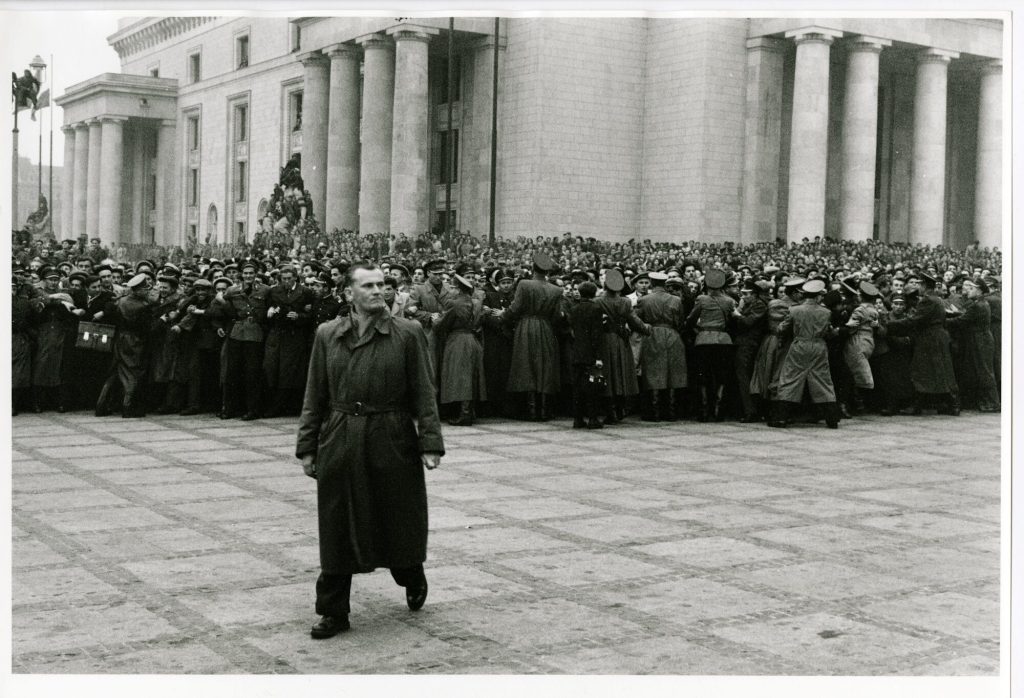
(286, 357)
(931, 367)
(536, 314)
(662, 356)
(497, 340)
(617, 354)
(977, 377)
(462, 363)
(805, 367)
(132, 315)
(369, 426)
(245, 304)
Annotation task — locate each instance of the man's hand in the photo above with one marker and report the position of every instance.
(292, 315)
(175, 328)
(308, 465)
(271, 311)
(221, 333)
(431, 460)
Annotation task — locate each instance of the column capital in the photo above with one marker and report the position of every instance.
(765, 43)
(343, 51)
(411, 32)
(868, 43)
(812, 34)
(936, 55)
(95, 121)
(487, 41)
(991, 67)
(108, 118)
(376, 40)
(84, 125)
(69, 128)
(311, 58)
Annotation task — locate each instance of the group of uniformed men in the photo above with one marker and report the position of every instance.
(234, 338)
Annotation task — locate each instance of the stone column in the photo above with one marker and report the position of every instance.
(80, 191)
(808, 152)
(475, 141)
(343, 139)
(410, 142)
(315, 87)
(67, 185)
(140, 213)
(988, 193)
(928, 173)
(763, 133)
(111, 170)
(92, 203)
(375, 153)
(860, 124)
(168, 187)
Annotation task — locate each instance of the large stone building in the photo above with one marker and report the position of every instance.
(669, 129)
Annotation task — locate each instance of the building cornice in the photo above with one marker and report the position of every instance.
(140, 85)
(151, 31)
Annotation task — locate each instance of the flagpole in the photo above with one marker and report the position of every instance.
(40, 178)
(49, 186)
(14, 170)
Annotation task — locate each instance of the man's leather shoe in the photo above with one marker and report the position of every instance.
(329, 626)
(416, 596)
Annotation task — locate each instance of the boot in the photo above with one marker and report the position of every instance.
(666, 405)
(611, 410)
(103, 402)
(832, 414)
(649, 407)
(950, 406)
(531, 407)
(718, 410)
(704, 415)
(465, 416)
(591, 403)
(858, 401)
(778, 413)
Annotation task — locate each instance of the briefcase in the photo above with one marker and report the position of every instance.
(95, 336)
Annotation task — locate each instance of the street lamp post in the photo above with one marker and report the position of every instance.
(38, 67)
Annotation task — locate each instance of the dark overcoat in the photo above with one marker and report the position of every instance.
(21, 342)
(768, 363)
(536, 310)
(371, 493)
(977, 380)
(497, 338)
(286, 357)
(931, 367)
(663, 358)
(619, 368)
(164, 343)
(462, 364)
(55, 334)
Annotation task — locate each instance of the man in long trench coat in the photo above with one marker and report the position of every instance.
(369, 426)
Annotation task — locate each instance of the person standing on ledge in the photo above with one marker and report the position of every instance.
(369, 426)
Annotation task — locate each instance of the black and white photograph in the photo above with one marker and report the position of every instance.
(621, 348)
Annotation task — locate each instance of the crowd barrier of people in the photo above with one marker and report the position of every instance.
(526, 328)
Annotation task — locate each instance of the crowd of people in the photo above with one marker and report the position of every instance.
(524, 328)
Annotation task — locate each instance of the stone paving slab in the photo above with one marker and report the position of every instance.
(189, 545)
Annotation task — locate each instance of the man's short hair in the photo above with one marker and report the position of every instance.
(350, 274)
(391, 281)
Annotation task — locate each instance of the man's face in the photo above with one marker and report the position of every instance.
(397, 275)
(51, 283)
(75, 284)
(897, 285)
(689, 271)
(107, 279)
(505, 285)
(947, 277)
(94, 244)
(913, 285)
(185, 287)
(389, 293)
(163, 288)
(83, 265)
(94, 288)
(335, 275)
(233, 275)
(435, 278)
(117, 276)
(643, 286)
(202, 294)
(366, 291)
(287, 279)
(248, 275)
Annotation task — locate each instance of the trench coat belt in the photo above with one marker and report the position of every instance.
(361, 408)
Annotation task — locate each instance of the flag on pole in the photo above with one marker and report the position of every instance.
(42, 101)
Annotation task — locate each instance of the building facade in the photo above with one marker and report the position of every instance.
(669, 129)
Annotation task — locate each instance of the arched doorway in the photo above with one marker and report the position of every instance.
(211, 225)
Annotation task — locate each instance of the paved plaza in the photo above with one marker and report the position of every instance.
(188, 545)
